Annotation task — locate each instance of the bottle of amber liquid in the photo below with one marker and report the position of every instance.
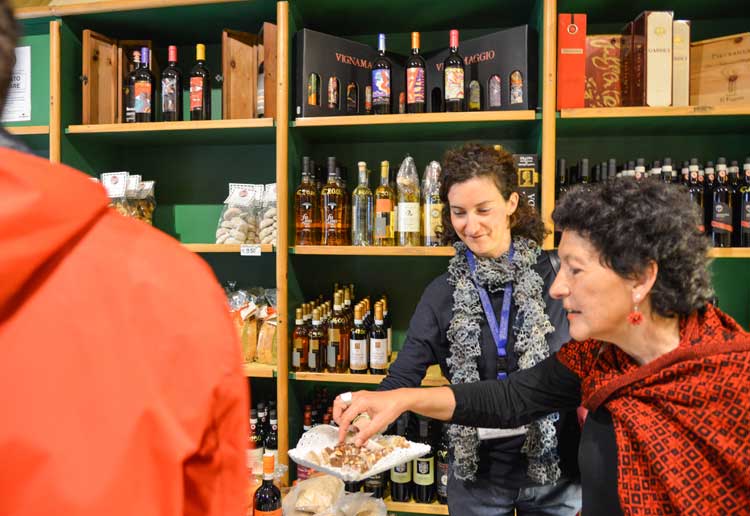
(300, 343)
(306, 209)
(358, 343)
(338, 338)
(432, 208)
(333, 206)
(378, 343)
(317, 343)
(408, 218)
(385, 214)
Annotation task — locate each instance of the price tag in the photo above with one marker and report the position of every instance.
(249, 250)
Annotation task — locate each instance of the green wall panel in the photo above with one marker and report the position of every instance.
(36, 35)
(731, 279)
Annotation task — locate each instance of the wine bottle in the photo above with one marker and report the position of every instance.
(128, 90)
(254, 444)
(300, 343)
(271, 443)
(381, 81)
(695, 192)
(318, 342)
(200, 86)
(376, 485)
(358, 343)
(432, 207)
(453, 77)
(268, 497)
(744, 202)
(734, 189)
(415, 78)
(408, 217)
(362, 209)
(443, 466)
(401, 485)
(385, 214)
(721, 219)
(144, 89)
(378, 343)
(171, 89)
(424, 467)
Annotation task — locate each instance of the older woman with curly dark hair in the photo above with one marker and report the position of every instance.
(490, 315)
(662, 371)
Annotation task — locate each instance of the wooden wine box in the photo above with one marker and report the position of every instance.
(106, 62)
(720, 71)
(242, 55)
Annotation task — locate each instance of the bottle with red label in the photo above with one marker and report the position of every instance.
(268, 497)
(381, 81)
(453, 77)
(171, 89)
(144, 89)
(200, 86)
(415, 78)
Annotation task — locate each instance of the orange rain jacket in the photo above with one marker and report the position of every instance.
(121, 390)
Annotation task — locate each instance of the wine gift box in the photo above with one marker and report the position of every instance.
(529, 185)
(720, 71)
(571, 60)
(322, 58)
(603, 65)
(508, 56)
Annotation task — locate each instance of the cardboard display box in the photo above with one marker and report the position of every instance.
(603, 64)
(529, 184)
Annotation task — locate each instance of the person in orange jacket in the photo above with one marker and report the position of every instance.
(121, 388)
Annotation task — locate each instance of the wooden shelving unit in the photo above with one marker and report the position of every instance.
(433, 378)
(416, 508)
(349, 250)
(255, 370)
(641, 112)
(730, 252)
(224, 248)
(421, 118)
(28, 130)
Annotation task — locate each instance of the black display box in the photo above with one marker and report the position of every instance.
(500, 53)
(348, 61)
(529, 184)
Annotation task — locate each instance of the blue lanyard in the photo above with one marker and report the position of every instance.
(499, 332)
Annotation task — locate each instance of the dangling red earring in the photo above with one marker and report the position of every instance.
(635, 317)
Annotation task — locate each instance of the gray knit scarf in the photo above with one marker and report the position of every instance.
(530, 326)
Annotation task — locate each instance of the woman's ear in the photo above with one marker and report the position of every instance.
(644, 282)
(513, 201)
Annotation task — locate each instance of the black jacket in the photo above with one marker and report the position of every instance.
(427, 344)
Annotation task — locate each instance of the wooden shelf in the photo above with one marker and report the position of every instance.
(350, 250)
(730, 252)
(254, 130)
(224, 248)
(418, 127)
(255, 370)
(26, 130)
(640, 112)
(416, 508)
(433, 378)
(73, 7)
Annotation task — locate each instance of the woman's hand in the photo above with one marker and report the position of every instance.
(382, 407)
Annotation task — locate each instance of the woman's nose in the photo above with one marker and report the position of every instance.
(559, 288)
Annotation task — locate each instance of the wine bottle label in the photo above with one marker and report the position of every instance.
(333, 352)
(333, 92)
(378, 350)
(143, 97)
(296, 358)
(454, 83)
(495, 92)
(169, 95)
(312, 90)
(381, 87)
(358, 354)
(368, 98)
(722, 219)
(516, 88)
(196, 93)
(383, 218)
(442, 478)
(433, 219)
(424, 471)
(255, 459)
(745, 214)
(408, 217)
(401, 474)
(415, 85)
(352, 98)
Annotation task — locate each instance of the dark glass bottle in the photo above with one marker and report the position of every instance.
(721, 219)
(262, 420)
(695, 191)
(267, 501)
(353, 486)
(709, 181)
(381, 81)
(378, 343)
(453, 77)
(401, 479)
(443, 467)
(744, 202)
(376, 485)
(666, 169)
(640, 169)
(562, 189)
(171, 89)
(424, 467)
(318, 341)
(611, 168)
(128, 90)
(200, 86)
(254, 443)
(271, 443)
(415, 78)
(584, 170)
(734, 187)
(144, 89)
(358, 344)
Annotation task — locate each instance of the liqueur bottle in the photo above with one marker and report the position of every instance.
(300, 343)
(385, 215)
(408, 217)
(432, 207)
(306, 209)
(171, 89)
(381, 80)
(318, 343)
(453, 77)
(362, 209)
(200, 86)
(415, 78)
(332, 200)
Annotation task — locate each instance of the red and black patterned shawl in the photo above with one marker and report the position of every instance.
(682, 422)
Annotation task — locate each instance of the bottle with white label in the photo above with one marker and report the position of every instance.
(254, 444)
(432, 216)
(424, 467)
(358, 343)
(300, 343)
(378, 343)
(408, 197)
(318, 340)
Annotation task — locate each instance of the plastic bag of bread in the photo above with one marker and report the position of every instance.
(269, 220)
(266, 353)
(317, 494)
(116, 185)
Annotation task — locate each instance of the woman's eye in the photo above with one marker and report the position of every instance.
(484, 210)
(458, 213)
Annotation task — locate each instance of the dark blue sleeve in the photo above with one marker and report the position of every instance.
(418, 351)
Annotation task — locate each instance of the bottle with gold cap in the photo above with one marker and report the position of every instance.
(300, 342)
(415, 78)
(378, 343)
(358, 343)
(268, 497)
(317, 344)
(385, 209)
(200, 86)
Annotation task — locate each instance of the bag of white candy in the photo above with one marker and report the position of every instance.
(269, 221)
(237, 223)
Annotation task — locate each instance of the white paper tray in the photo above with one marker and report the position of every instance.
(323, 436)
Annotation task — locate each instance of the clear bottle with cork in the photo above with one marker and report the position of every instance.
(385, 209)
(432, 207)
(362, 209)
(378, 343)
(300, 342)
(408, 195)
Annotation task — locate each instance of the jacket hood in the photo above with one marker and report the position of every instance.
(44, 209)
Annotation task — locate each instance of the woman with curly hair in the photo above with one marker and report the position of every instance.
(662, 372)
(488, 316)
